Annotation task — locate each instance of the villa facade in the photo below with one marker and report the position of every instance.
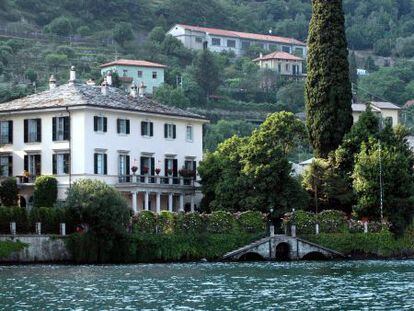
(148, 151)
(219, 40)
(281, 63)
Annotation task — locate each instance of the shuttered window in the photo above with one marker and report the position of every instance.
(32, 130)
(61, 128)
(6, 132)
(170, 131)
(100, 163)
(100, 124)
(123, 126)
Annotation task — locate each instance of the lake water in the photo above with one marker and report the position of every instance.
(341, 285)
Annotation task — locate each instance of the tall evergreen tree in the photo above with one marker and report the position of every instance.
(328, 88)
(207, 72)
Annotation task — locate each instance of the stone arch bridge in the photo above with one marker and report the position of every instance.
(282, 247)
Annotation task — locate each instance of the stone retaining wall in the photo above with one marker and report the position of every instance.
(41, 248)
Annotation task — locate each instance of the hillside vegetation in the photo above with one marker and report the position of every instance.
(40, 37)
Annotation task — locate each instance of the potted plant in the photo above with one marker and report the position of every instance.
(145, 170)
(169, 171)
(157, 171)
(134, 169)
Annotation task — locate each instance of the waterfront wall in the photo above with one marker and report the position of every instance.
(40, 248)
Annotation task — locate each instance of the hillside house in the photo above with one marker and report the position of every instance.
(219, 40)
(139, 72)
(282, 63)
(387, 111)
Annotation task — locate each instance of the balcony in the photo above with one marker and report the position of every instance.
(156, 180)
(26, 179)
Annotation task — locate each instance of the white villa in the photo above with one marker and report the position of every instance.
(218, 40)
(146, 150)
(281, 63)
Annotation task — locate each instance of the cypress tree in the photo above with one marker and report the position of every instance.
(328, 88)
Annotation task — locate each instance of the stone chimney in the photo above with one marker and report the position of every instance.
(109, 78)
(72, 75)
(104, 87)
(52, 82)
(133, 90)
(90, 82)
(142, 88)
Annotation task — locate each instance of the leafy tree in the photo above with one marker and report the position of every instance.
(170, 96)
(292, 96)
(123, 33)
(31, 75)
(106, 213)
(370, 64)
(60, 26)
(9, 192)
(397, 176)
(207, 72)
(84, 31)
(157, 35)
(225, 129)
(45, 191)
(328, 88)
(405, 47)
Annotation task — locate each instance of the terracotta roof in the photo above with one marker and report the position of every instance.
(242, 35)
(279, 55)
(87, 95)
(130, 62)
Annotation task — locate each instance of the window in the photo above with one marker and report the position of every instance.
(245, 45)
(170, 131)
(295, 69)
(171, 169)
(154, 75)
(122, 126)
(139, 74)
(101, 163)
(299, 52)
(198, 39)
(287, 67)
(231, 43)
(100, 124)
(147, 128)
(286, 49)
(189, 133)
(32, 130)
(123, 167)
(125, 72)
(6, 132)
(61, 163)
(190, 165)
(6, 165)
(216, 41)
(32, 164)
(279, 67)
(147, 168)
(61, 128)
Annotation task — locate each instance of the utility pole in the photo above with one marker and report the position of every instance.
(381, 184)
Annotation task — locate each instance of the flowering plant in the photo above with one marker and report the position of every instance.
(145, 170)
(134, 169)
(157, 171)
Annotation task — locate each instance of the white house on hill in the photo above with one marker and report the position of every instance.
(146, 150)
(385, 110)
(219, 40)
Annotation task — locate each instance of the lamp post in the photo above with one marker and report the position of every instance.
(381, 184)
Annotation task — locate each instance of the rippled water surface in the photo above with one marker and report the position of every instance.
(355, 285)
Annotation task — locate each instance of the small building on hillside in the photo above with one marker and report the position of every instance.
(139, 72)
(281, 63)
(387, 111)
(219, 40)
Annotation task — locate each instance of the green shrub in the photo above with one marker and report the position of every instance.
(13, 214)
(251, 222)
(9, 247)
(9, 192)
(189, 223)
(50, 217)
(220, 222)
(331, 221)
(305, 221)
(45, 191)
(145, 222)
(165, 222)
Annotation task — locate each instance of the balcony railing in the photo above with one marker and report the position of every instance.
(26, 179)
(160, 180)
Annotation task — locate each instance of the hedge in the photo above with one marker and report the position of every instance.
(50, 217)
(147, 222)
